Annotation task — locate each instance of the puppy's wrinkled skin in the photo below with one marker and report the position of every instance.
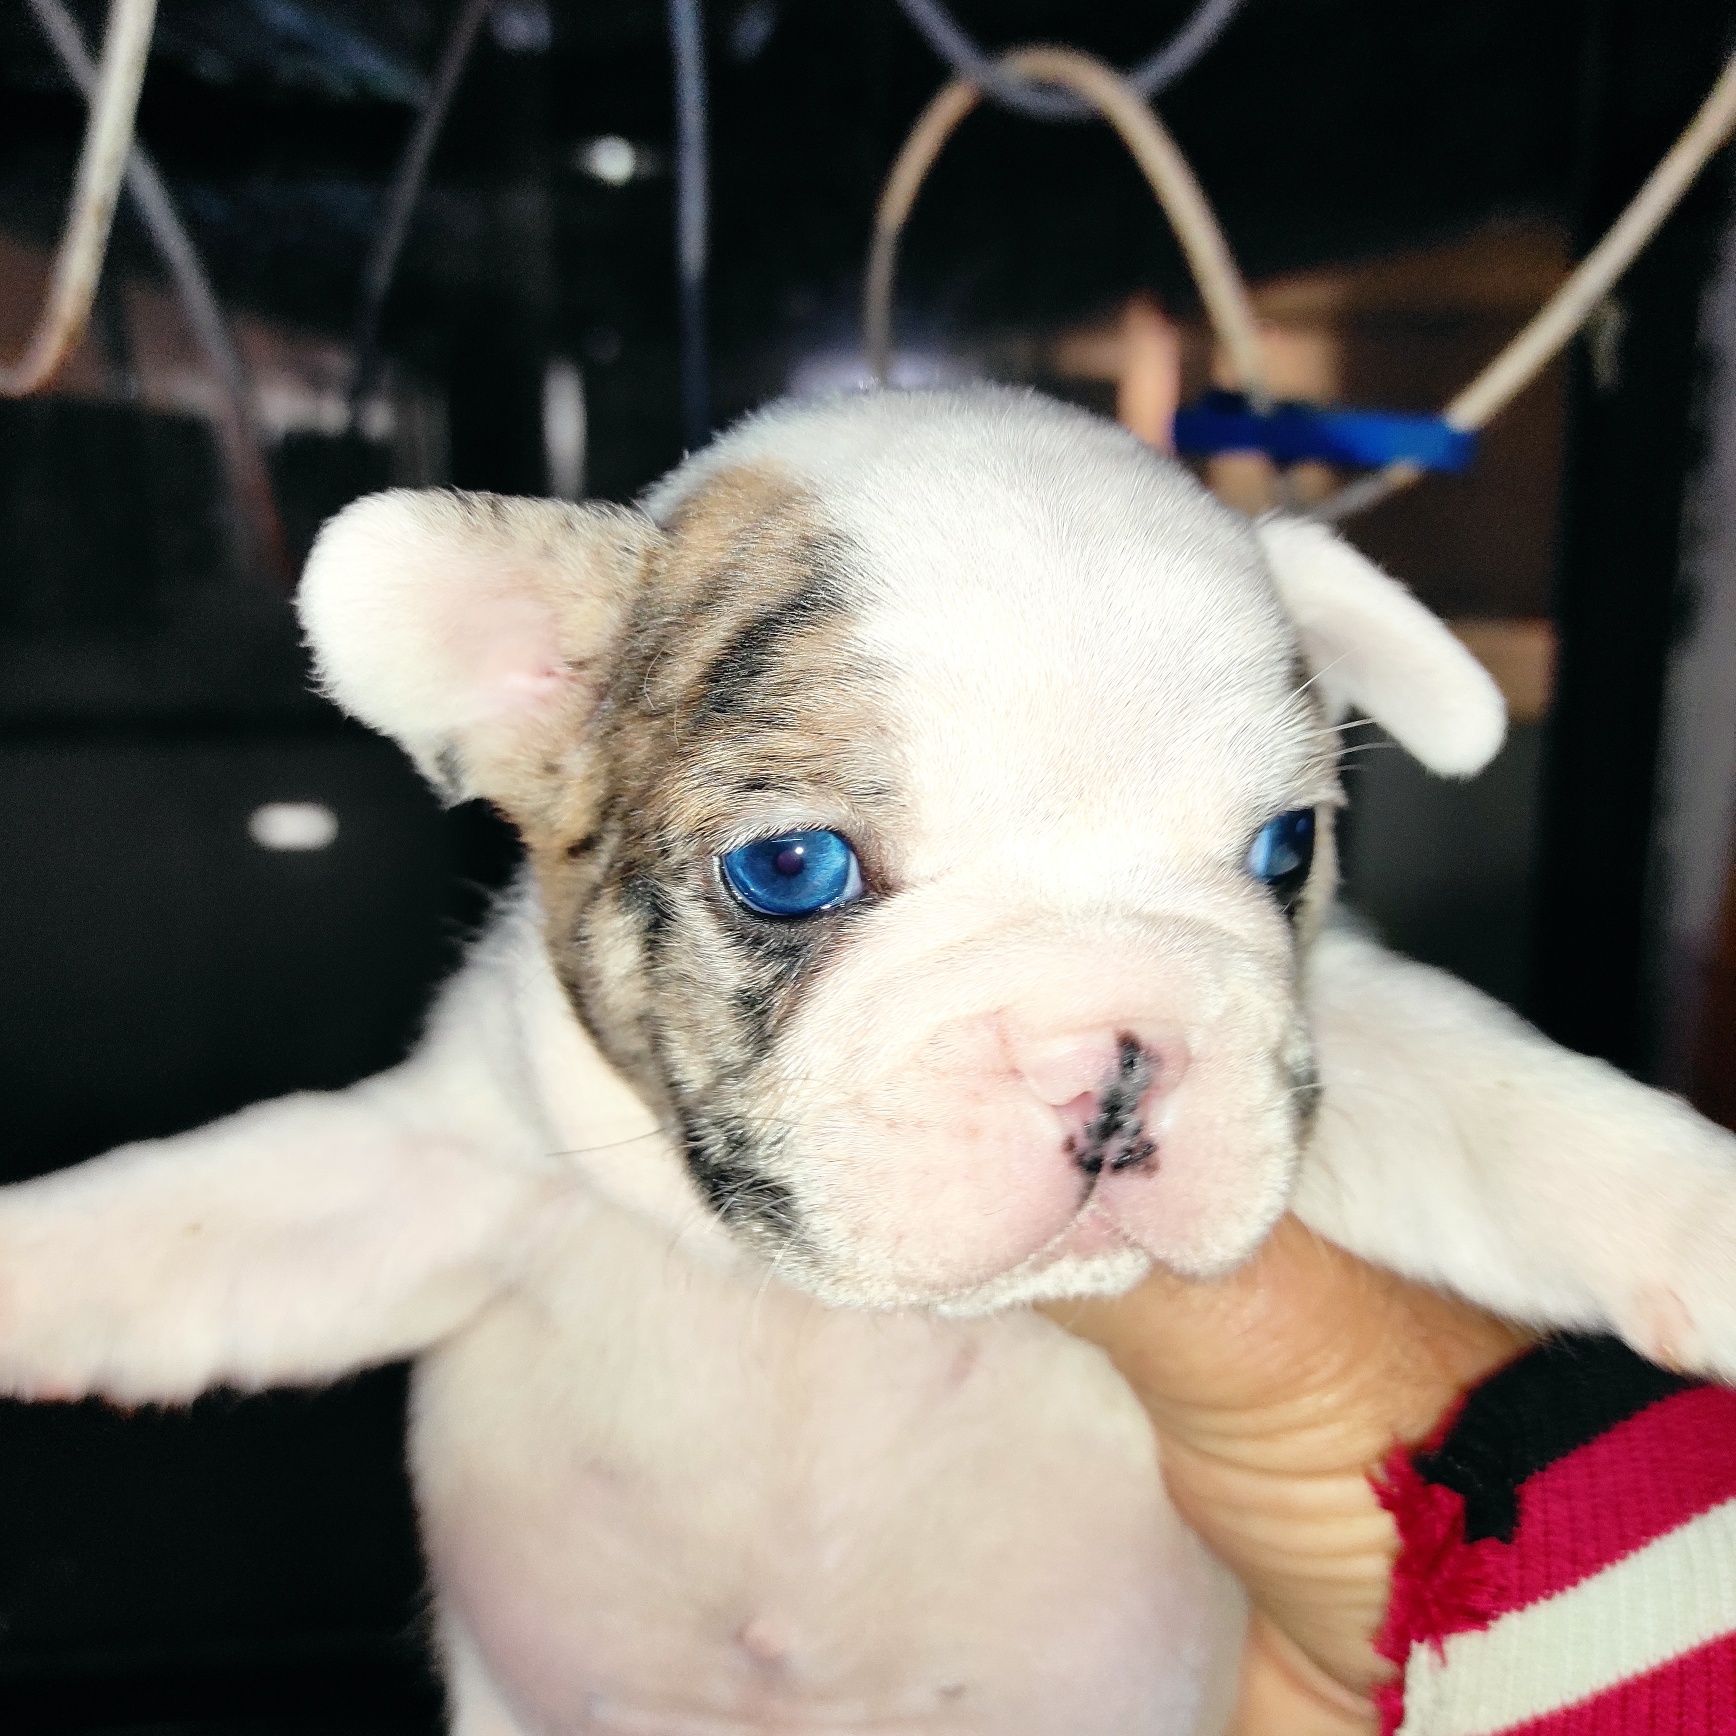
(707, 1226)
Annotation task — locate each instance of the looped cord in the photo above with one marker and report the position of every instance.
(1555, 324)
(1150, 77)
(257, 526)
(1166, 170)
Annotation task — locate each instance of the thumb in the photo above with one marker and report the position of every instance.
(1275, 1391)
(1304, 1358)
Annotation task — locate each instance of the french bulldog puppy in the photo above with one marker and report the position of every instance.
(927, 802)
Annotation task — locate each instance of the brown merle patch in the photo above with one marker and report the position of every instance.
(736, 685)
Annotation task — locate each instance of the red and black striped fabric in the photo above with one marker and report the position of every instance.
(1568, 1556)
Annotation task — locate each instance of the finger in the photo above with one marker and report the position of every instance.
(1330, 1358)
(1281, 1325)
(1275, 1391)
(1283, 1691)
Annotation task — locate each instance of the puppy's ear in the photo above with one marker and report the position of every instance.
(473, 629)
(1372, 647)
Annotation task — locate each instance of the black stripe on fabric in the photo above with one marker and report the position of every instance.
(1534, 1412)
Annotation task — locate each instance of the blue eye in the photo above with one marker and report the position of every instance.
(1282, 853)
(793, 874)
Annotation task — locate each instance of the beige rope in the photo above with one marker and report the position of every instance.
(78, 261)
(1554, 324)
(1196, 227)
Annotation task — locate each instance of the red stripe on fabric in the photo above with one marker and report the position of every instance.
(1648, 1475)
(1645, 1477)
(1440, 1584)
(1693, 1695)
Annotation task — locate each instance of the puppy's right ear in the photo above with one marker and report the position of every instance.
(473, 629)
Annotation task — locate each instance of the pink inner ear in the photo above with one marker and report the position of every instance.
(532, 684)
(507, 647)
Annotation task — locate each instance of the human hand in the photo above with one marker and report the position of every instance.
(1275, 1391)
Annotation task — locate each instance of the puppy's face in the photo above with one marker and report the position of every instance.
(930, 801)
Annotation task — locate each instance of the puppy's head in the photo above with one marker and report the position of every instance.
(930, 797)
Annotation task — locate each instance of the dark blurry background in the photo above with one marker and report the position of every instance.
(217, 890)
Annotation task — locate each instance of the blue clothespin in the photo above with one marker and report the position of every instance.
(1292, 433)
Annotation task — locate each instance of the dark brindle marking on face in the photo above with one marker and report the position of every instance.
(650, 903)
(1306, 1091)
(740, 670)
(719, 1160)
(719, 1157)
(756, 1003)
(734, 686)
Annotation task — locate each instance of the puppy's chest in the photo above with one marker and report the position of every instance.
(659, 1499)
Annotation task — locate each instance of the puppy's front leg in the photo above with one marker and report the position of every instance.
(1457, 1144)
(292, 1242)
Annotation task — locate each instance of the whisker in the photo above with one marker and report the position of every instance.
(672, 1130)
(756, 1310)
(658, 1132)
(1324, 669)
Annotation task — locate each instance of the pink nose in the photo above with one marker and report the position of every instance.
(1106, 1087)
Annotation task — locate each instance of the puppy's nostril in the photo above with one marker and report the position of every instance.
(1105, 1086)
(1134, 1066)
(1105, 1131)
(1138, 1153)
(1108, 1128)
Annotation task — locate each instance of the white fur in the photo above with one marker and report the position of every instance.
(1374, 648)
(664, 1491)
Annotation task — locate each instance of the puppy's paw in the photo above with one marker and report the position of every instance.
(70, 1314)
(1681, 1314)
(1664, 1330)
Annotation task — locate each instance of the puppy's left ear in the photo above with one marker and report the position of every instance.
(474, 629)
(1372, 647)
